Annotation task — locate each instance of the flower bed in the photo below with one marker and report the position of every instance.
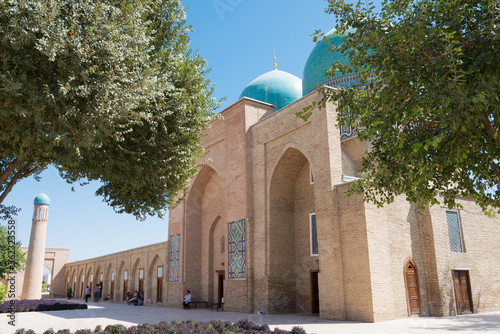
(180, 327)
(27, 305)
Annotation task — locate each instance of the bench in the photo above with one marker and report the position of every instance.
(217, 306)
(196, 304)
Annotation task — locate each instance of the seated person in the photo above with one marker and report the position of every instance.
(133, 299)
(140, 297)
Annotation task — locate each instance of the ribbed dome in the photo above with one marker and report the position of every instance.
(42, 199)
(275, 87)
(320, 60)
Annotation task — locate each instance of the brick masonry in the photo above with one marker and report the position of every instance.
(257, 169)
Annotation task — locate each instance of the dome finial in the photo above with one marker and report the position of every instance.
(275, 65)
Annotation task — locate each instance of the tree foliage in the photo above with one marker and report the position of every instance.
(11, 256)
(428, 100)
(104, 90)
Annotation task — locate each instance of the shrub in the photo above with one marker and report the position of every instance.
(182, 327)
(26, 305)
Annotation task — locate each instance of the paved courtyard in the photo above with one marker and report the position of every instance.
(105, 313)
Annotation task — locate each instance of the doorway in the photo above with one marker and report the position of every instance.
(412, 292)
(112, 292)
(125, 287)
(220, 290)
(159, 290)
(314, 293)
(463, 296)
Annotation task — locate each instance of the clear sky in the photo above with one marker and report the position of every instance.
(237, 38)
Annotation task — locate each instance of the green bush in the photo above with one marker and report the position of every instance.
(3, 292)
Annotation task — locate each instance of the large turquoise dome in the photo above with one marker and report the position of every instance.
(275, 87)
(42, 199)
(320, 60)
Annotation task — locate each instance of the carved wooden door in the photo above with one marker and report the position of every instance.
(462, 291)
(412, 288)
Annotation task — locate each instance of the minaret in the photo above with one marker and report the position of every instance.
(32, 288)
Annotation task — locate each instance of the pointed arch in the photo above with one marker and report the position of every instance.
(152, 280)
(134, 275)
(206, 200)
(291, 202)
(121, 287)
(211, 259)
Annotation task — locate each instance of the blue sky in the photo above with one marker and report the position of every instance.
(237, 38)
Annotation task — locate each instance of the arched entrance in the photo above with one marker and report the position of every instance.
(412, 292)
(291, 242)
(46, 281)
(205, 214)
(216, 258)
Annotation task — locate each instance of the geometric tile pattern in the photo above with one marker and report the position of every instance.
(237, 266)
(345, 81)
(346, 132)
(454, 231)
(314, 235)
(174, 258)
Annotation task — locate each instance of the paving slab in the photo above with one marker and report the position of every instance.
(108, 313)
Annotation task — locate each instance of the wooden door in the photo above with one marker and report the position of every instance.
(412, 294)
(159, 290)
(141, 285)
(462, 291)
(125, 287)
(314, 293)
(112, 293)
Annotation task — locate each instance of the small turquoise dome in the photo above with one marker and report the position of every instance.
(42, 199)
(320, 60)
(275, 87)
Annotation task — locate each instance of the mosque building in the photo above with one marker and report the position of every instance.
(265, 225)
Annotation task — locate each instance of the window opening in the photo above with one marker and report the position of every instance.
(313, 234)
(454, 231)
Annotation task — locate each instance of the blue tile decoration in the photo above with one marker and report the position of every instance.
(237, 265)
(346, 132)
(346, 81)
(174, 258)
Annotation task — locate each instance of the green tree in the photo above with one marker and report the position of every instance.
(428, 100)
(103, 90)
(11, 256)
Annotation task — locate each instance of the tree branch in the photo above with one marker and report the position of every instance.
(14, 180)
(5, 174)
(490, 130)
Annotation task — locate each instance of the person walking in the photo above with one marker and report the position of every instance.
(87, 294)
(96, 293)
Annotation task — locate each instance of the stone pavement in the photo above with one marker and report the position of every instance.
(106, 313)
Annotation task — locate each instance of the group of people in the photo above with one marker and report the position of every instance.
(97, 291)
(137, 298)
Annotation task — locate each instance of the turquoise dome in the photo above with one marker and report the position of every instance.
(42, 199)
(320, 60)
(275, 87)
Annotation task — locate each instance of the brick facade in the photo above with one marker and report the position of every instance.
(258, 171)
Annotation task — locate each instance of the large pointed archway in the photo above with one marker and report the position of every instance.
(205, 204)
(292, 236)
